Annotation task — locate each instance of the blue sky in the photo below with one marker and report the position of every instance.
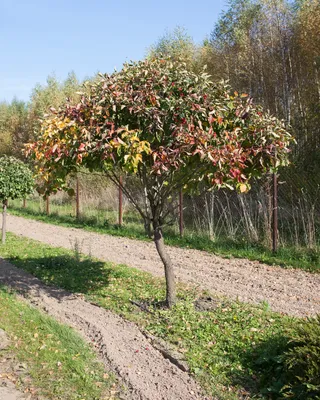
(41, 37)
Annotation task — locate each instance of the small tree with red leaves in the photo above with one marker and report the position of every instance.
(170, 128)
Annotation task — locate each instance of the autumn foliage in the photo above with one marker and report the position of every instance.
(159, 116)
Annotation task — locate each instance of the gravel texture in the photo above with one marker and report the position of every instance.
(290, 291)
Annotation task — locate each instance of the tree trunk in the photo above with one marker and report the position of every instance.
(77, 198)
(168, 267)
(147, 227)
(4, 220)
(120, 202)
(47, 205)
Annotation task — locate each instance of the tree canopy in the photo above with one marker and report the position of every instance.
(160, 116)
(170, 127)
(16, 181)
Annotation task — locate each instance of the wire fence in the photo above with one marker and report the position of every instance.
(276, 212)
(291, 207)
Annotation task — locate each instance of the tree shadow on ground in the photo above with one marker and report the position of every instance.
(68, 272)
(263, 371)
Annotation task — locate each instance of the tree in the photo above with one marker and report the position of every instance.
(307, 45)
(19, 126)
(169, 127)
(16, 181)
(53, 94)
(177, 45)
(13, 127)
(5, 132)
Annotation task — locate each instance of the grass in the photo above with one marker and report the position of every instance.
(60, 365)
(233, 349)
(103, 221)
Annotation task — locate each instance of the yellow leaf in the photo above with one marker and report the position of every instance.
(243, 188)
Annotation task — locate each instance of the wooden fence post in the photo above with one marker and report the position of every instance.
(77, 199)
(181, 213)
(24, 203)
(120, 221)
(4, 221)
(275, 214)
(47, 205)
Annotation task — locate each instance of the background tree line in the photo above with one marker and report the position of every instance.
(20, 120)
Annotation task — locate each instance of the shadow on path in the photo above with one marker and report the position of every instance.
(65, 271)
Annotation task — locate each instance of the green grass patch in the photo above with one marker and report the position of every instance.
(232, 349)
(60, 364)
(103, 221)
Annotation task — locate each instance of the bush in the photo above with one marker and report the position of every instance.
(302, 362)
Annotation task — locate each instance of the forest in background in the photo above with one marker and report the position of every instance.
(269, 49)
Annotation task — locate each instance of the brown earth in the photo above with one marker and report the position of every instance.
(10, 370)
(289, 291)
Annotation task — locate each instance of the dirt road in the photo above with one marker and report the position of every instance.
(293, 292)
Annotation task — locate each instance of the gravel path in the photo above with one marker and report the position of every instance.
(147, 375)
(293, 292)
(8, 391)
